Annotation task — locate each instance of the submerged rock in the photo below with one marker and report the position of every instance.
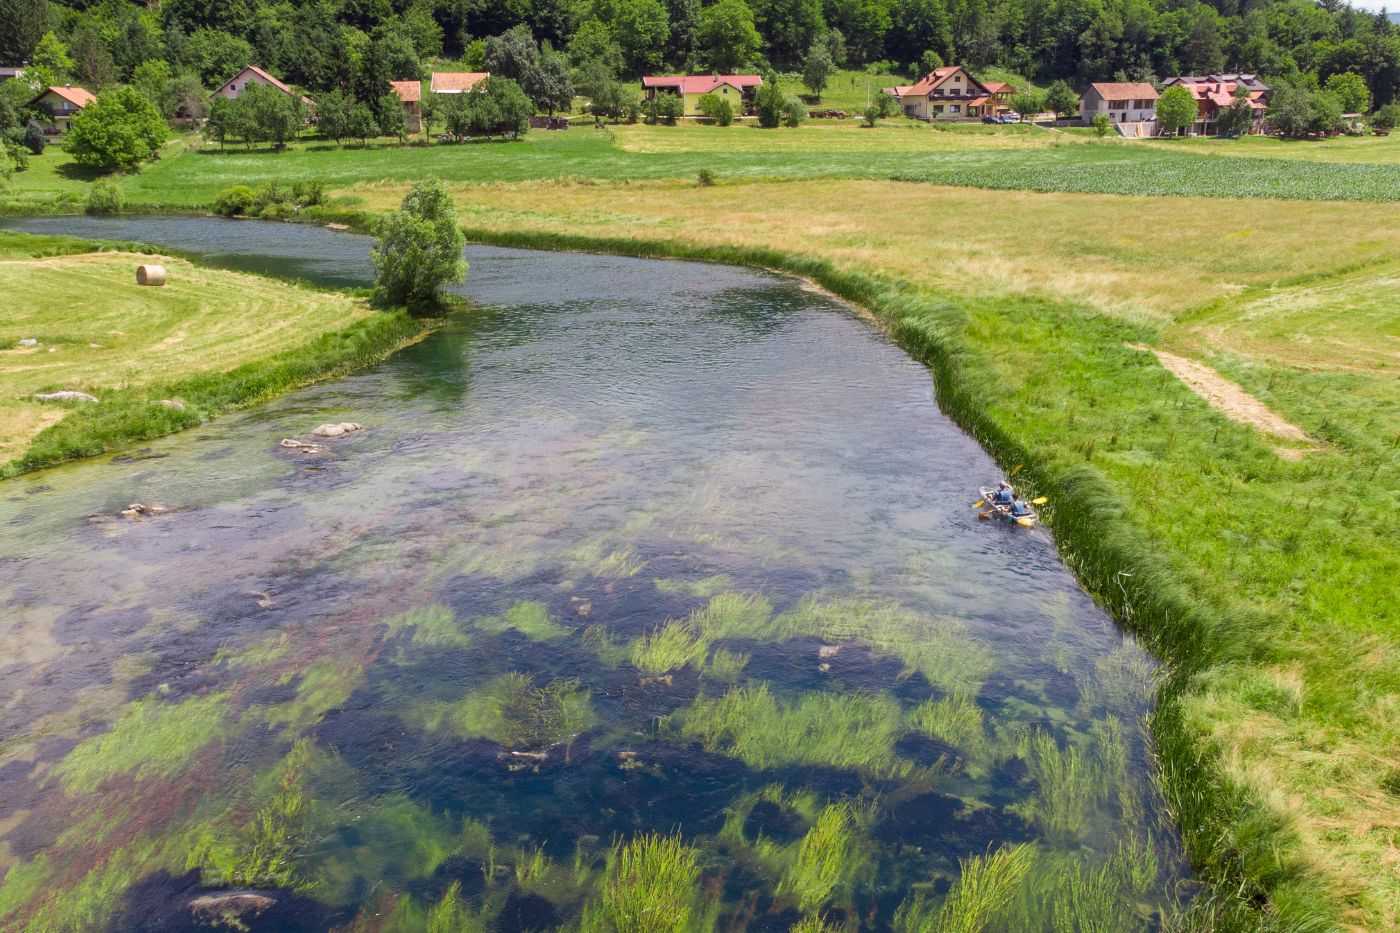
(138, 510)
(301, 446)
(234, 905)
(337, 430)
(66, 395)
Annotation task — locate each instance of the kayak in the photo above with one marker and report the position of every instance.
(1003, 512)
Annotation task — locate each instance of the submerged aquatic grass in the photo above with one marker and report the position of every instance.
(529, 618)
(668, 648)
(985, 886)
(652, 886)
(513, 712)
(1068, 785)
(726, 666)
(836, 730)
(150, 738)
(826, 857)
(956, 720)
(431, 627)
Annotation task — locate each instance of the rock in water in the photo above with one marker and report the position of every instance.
(336, 430)
(232, 906)
(65, 396)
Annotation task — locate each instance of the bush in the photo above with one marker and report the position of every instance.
(276, 210)
(872, 115)
(234, 201)
(268, 194)
(104, 198)
(794, 112)
(706, 178)
(665, 109)
(419, 249)
(1386, 117)
(309, 193)
(1101, 124)
(717, 108)
(768, 101)
(633, 111)
(34, 138)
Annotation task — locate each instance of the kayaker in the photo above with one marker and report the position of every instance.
(1019, 509)
(1004, 494)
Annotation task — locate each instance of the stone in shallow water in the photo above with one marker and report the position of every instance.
(336, 430)
(232, 904)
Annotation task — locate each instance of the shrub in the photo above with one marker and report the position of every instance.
(1386, 117)
(234, 201)
(268, 194)
(794, 112)
(1176, 108)
(717, 108)
(419, 249)
(872, 115)
(104, 198)
(705, 178)
(768, 101)
(1101, 124)
(309, 193)
(275, 210)
(633, 111)
(666, 109)
(34, 139)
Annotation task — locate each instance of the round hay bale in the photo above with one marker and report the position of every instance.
(150, 275)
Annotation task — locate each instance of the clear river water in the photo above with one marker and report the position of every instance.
(645, 583)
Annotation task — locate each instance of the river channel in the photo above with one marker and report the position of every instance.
(644, 583)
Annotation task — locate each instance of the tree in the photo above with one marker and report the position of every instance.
(51, 63)
(592, 43)
(665, 108)
(872, 115)
(553, 87)
(185, 97)
(513, 54)
(726, 37)
(1028, 102)
(816, 71)
(151, 78)
(360, 123)
(788, 28)
(606, 96)
(1351, 91)
(642, 29)
(794, 112)
(119, 130)
(91, 60)
(419, 249)
(1061, 99)
(1237, 118)
(333, 115)
(1386, 117)
(217, 56)
(512, 107)
(277, 116)
(929, 62)
(1176, 109)
(34, 138)
(25, 21)
(768, 102)
(391, 118)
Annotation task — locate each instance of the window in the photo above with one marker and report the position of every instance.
(1144, 104)
(953, 109)
(937, 108)
(1118, 105)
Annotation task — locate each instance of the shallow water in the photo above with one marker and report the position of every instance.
(434, 668)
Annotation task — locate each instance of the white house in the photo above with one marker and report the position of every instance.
(252, 74)
(947, 93)
(1126, 104)
(61, 104)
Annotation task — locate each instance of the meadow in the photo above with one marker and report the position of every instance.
(1030, 268)
(207, 341)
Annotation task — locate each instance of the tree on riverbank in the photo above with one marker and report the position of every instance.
(419, 249)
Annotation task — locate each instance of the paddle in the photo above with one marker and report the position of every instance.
(1039, 500)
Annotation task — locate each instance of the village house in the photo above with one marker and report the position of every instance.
(456, 82)
(252, 74)
(61, 104)
(10, 71)
(739, 90)
(1215, 92)
(951, 93)
(410, 95)
(1130, 106)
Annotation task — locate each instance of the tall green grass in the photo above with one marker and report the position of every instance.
(651, 886)
(986, 885)
(825, 858)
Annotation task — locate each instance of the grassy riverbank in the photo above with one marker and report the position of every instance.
(158, 359)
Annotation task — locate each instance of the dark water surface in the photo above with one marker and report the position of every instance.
(639, 548)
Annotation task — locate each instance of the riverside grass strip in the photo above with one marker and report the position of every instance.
(1260, 875)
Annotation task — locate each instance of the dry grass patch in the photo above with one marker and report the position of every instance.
(1139, 258)
(97, 329)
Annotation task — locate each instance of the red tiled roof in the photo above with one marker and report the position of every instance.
(938, 75)
(1125, 90)
(410, 92)
(457, 82)
(77, 96)
(700, 84)
(261, 74)
(997, 87)
(899, 90)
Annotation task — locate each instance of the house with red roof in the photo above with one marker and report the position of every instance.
(252, 74)
(739, 90)
(61, 104)
(410, 95)
(1215, 92)
(1131, 106)
(951, 93)
(456, 82)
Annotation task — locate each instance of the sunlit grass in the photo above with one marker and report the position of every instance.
(836, 730)
(651, 886)
(826, 857)
(668, 648)
(956, 720)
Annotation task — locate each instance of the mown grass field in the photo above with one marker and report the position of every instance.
(1035, 262)
(132, 346)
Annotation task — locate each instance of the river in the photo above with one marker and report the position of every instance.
(637, 552)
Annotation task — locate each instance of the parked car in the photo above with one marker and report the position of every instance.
(991, 119)
(1010, 116)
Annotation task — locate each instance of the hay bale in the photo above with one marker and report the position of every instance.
(150, 275)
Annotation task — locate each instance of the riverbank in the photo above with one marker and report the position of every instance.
(159, 360)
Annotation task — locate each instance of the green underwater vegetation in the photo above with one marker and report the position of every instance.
(529, 618)
(816, 728)
(985, 887)
(512, 711)
(668, 648)
(151, 738)
(431, 627)
(651, 886)
(827, 857)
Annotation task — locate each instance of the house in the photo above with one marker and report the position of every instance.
(61, 104)
(1001, 94)
(10, 71)
(1131, 106)
(1214, 92)
(252, 74)
(410, 94)
(739, 90)
(456, 82)
(948, 93)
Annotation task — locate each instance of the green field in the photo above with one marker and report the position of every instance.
(1031, 267)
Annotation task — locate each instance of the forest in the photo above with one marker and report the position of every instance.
(356, 46)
